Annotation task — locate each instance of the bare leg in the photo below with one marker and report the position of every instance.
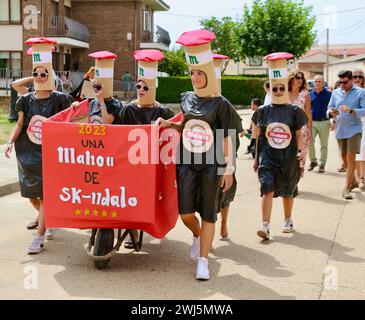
(35, 203)
(362, 169)
(192, 223)
(224, 214)
(344, 160)
(206, 238)
(266, 206)
(41, 221)
(288, 207)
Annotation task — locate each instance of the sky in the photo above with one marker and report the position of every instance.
(345, 27)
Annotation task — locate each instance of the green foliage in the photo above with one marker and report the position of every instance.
(226, 41)
(238, 90)
(174, 63)
(275, 26)
(170, 88)
(5, 128)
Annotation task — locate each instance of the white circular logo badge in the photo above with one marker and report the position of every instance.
(34, 130)
(278, 135)
(197, 136)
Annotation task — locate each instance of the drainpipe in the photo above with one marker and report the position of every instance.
(135, 36)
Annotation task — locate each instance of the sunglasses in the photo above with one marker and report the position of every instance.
(343, 82)
(42, 74)
(276, 89)
(358, 77)
(299, 78)
(138, 86)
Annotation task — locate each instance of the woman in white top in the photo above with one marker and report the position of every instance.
(299, 95)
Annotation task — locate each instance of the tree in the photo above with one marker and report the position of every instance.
(275, 26)
(226, 41)
(174, 63)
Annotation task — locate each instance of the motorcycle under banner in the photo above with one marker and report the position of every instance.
(105, 176)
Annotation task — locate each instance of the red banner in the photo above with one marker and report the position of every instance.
(79, 114)
(105, 176)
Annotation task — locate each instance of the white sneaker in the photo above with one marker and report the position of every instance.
(264, 233)
(49, 234)
(195, 248)
(288, 225)
(202, 271)
(37, 244)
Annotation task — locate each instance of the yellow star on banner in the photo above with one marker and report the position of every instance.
(78, 212)
(95, 212)
(104, 213)
(87, 212)
(114, 214)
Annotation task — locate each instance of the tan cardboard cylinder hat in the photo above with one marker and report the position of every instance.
(42, 57)
(218, 58)
(279, 74)
(104, 70)
(199, 56)
(147, 72)
(87, 91)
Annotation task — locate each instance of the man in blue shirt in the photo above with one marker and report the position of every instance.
(347, 105)
(320, 98)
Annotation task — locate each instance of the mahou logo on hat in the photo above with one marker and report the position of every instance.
(278, 135)
(197, 136)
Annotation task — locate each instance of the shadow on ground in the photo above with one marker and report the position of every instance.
(161, 264)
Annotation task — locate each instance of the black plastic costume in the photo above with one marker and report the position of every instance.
(279, 169)
(199, 173)
(29, 154)
(133, 114)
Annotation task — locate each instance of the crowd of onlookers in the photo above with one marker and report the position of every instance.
(339, 108)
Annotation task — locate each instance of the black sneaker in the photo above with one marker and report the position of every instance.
(312, 166)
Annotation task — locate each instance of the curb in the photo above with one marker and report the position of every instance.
(9, 188)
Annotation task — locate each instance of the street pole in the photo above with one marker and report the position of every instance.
(327, 55)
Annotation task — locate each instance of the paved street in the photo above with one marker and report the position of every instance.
(323, 259)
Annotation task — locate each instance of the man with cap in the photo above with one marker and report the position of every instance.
(347, 106)
(32, 109)
(206, 160)
(144, 110)
(278, 146)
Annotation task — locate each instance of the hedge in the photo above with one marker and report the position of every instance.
(238, 90)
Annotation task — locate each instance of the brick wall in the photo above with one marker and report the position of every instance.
(26, 60)
(109, 32)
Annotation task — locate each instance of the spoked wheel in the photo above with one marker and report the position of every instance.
(104, 242)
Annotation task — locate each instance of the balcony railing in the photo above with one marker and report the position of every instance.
(59, 26)
(122, 90)
(160, 36)
(146, 36)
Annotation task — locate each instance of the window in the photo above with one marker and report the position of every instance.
(15, 11)
(54, 9)
(147, 21)
(4, 60)
(10, 60)
(10, 12)
(67, 12)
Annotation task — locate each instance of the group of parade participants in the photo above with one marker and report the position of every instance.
(205, 168)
